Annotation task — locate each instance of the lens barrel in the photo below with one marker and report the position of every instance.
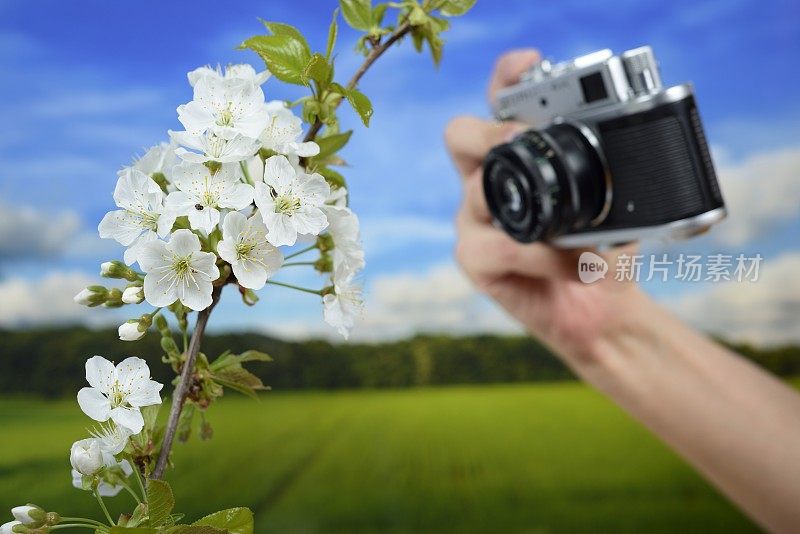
(545, 183)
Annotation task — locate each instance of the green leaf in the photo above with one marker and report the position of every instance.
(226, 359)
(150, 416)
(190, 529)
(377, 14)
(361, 105)
(285, 57)
(233, 520)
(319, 70)
(456, 8)
(239, 379)
(133, 530)
(254, 356)
(337, 88)
(334, 178)
(333, 31)
(160, 502)
(185, 422)
(279, 28)
(331, 144)
(417, 16)
(357, 13)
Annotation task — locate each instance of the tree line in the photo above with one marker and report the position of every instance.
(50, 362)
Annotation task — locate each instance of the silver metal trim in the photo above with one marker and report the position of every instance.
(588, 133)
(672, 231)
(636, 105)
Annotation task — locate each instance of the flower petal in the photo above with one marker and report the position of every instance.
(133, 252)
(234, 225)
(237, 197)
(196, 295)
(183, 243)
(130, 418)
(279, 173)
(94, 404)
(120, 225)
(281, 230)
(100, 373)
(146, 393)
(152, 254)
(130, 371)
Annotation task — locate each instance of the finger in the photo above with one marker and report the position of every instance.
(469, 139)
(475, 200)
(486, 252)
(509, 67)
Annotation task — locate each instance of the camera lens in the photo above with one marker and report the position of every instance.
(545, 183)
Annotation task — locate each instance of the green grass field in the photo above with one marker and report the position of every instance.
(528, 458)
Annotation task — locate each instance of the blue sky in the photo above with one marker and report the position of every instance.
(88, 85)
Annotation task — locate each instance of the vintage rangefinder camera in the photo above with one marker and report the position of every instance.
(612, 156)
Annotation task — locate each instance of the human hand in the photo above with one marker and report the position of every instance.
(536, 283)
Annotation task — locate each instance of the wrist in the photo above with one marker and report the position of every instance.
(629, 322)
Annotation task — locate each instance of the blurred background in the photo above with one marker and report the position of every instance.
(438, 415)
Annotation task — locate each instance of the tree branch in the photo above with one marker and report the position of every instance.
(182, 389)
(374, 54)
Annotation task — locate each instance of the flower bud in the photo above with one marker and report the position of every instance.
(133, 295)
(117, 269)
(325, 243)
(162, 325)
(324, 264)
(129, 331)
(114, 298)
(86, 456)
(91, 296)
(29, 515)
(8, 528)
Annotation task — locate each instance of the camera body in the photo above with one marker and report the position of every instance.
(614, 156)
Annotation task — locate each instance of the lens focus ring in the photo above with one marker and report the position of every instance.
(544, 184)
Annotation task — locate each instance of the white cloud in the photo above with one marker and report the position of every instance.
(761, 192)
(439, 300)
(47, 300)
(764, 312)
(29, 233)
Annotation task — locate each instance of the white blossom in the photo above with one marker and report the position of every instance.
(244, 245)
(133, 295)
(283, 130)
(118, 393)
(225, 107)
(337, 198)
(290, 201)
(201, 194)
(129, 331)
(143, 215)
(178, 270)
(111, 438)
(348, 252)
(8, 528)
(106, 489)
(211, 147)
(86, 456)
(341, 307)
(23, 514)
(158, 159)
(241, 71)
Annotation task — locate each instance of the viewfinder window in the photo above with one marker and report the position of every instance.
(594, 88)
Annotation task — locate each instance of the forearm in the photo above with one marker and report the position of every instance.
(736, 424)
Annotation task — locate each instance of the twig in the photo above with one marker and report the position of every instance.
(182, 389)
(374, 54)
